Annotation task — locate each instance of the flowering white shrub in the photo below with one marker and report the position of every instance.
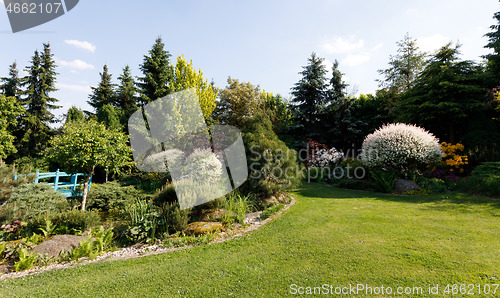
(322, 158)
(158, 162)
(203, 164)
(400, 146)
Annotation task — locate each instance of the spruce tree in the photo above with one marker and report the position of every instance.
(157, 73)
(309, 97)
(404, 67)
(11, 85)
(104, 93)
(126, 95)
(34, 131)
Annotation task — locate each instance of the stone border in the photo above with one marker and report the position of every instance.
(144, 251)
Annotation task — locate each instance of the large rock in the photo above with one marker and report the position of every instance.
(201, 227)
(404, 186)
(54, 246)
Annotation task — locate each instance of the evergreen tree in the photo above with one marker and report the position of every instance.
(447, 92)
(104, 93)
(493, 66)
(404, 67)
(11, 85)
(126, 95)
(157, 71)
(74, 114)
(309, 97)
(34, 132)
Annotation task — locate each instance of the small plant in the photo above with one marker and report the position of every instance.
(49, 228)
(26, 260)
(102, 239)
(86, 249)
(145, 221)
(236, 207)
(270, 211)
(384, 179)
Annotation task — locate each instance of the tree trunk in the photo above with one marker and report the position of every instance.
(86, 189)
(107, 176)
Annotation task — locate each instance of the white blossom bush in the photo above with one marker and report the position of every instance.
(400, 146)
(203, 165)
(323, 158)
(158, 162)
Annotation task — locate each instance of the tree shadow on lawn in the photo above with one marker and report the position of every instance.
(323, 191)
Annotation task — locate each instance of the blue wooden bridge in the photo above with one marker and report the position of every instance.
(68, 189)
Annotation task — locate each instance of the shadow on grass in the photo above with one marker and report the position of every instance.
(323, 191)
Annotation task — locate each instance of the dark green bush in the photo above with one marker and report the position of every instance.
(484, 180)
(273, 167)
(166, 195)
(355, 184)
(30, 200)
(112, 195)
(433, 185)
(175, 218)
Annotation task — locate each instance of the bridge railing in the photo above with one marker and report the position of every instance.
(68, 189)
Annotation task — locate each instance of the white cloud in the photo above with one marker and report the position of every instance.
(81, 44)
(432, 43)
(339, 45)
(357, 59)
(80, 88)
(76, 64)
(354, 50)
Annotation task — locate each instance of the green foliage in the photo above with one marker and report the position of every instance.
(28, 164)
(175, 218)
(144, 221)
(277, 108)
(112, 195)
(26, 261)
(109, 116)
(446, 93)
(272, 165)
(104, 93)
(68, 222)
(433, 185)
(384, 179)
(485, 180)
(270, 211)
(236, 207)
(238, 102)
(49, 228)
(10, 110)
(309, 98)
(126, 95)
(84, 145)
(10, 86)
(34, 130)
(185, 76)
(157, 73)
(404, 67)
(74, 114)
(166, 195)
(30, 200)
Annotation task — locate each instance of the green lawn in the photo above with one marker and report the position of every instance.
(330, 236)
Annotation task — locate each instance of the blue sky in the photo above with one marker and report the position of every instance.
(263, 42)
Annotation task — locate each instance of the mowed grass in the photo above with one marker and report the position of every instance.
(330, 236)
